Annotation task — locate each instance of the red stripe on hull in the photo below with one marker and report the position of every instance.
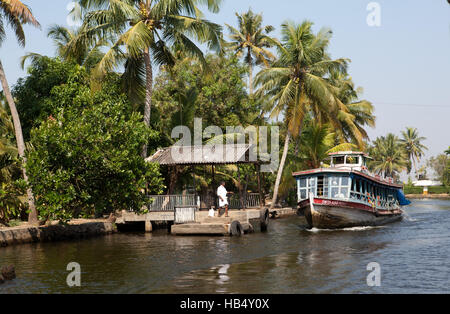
(335, 214)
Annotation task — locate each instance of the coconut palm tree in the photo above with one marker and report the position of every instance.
(297, 81)
(16, 14)
(389, 156)
(252, 40)
(355, 115)
(413, 146)
(84, 53)
(144, 31)
(316, 142)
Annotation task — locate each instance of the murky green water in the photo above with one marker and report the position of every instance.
(414, 256)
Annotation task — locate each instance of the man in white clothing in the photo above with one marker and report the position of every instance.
(223, 200)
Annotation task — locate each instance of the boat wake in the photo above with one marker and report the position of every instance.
(316, 230)
(408, 218)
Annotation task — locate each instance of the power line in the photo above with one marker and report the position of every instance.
(412, 105)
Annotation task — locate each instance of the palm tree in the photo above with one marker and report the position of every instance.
(447, 152)
(298, 79)
(355, 114)
(71, 47)
(316, 142)
(146, 29)
(389, 156)
(251, 39)
(412, 145)
(15, 13)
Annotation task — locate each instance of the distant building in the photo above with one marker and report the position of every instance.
(426, 184)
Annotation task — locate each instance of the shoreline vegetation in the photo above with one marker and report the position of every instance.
(75, 131)
(429, 196)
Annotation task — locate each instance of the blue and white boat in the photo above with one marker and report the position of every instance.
(347, 195)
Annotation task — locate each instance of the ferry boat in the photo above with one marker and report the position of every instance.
(347, 195)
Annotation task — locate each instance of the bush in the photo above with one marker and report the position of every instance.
(431, 190)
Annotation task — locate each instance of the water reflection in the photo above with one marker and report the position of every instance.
(289, 258)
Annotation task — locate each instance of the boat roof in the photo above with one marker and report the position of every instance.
(346, 153)
(378, 179)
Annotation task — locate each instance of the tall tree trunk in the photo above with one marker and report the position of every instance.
(32, 217)
(148, 94)
(415, 167)
(250, 79)
(280, 170)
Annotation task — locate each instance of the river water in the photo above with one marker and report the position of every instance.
(414, 257)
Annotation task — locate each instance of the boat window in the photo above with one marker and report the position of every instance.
(320, 185)
(339, 186)
(345, 181)
(352, 160)
(339, 160)
(334, 181)
(335, 192)
(303, 194)
(303, 183)
(306, 186)
(312, 186)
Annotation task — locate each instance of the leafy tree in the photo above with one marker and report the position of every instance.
(441, 166)
(12, 190)
(413, 146)
(298, 80)
(86, 158)
(219, 96)
(252, 40)
(33, 93)
(16, 14)
(146, 29)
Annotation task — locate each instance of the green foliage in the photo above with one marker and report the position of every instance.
(146, 29)
(86, 158)
(11, 187)
(33, 93)
(219, 95)
(413, 147)
(389, 156)
(441, 166)
(12, 200)
(251, 40)
(431, 190)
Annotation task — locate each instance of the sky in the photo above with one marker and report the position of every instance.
(402, 65)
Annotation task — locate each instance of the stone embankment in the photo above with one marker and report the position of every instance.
(76, 229)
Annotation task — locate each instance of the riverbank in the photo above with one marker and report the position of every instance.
(75, 229)
(429, 196)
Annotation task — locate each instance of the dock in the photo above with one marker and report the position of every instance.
(238, 223)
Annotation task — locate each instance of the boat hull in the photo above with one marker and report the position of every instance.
(332, 214)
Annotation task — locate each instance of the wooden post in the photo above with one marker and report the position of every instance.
(193, 180)
(261, 195)
(148, 226)
(240, 188)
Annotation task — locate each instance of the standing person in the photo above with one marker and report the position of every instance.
(223, 200)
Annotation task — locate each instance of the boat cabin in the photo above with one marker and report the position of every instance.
(348, 179)
(349, 160)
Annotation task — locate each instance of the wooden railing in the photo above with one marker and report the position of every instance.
(168, 202)
(165, 203)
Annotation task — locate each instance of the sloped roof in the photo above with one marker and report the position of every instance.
(203, 154)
